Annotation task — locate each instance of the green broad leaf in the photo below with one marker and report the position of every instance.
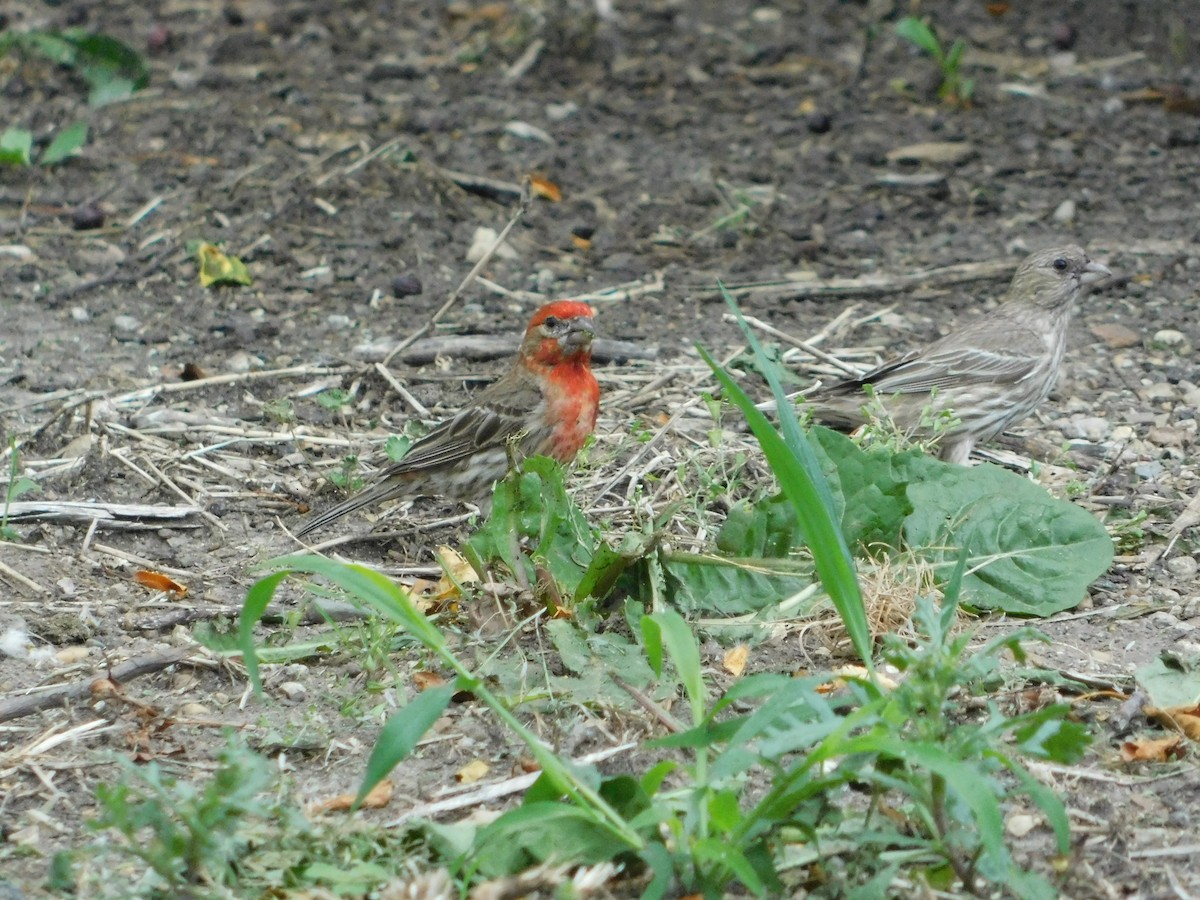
(543, 832)
(400, 736)
(725, 587)
(396, 447)
(531, 506)
(66, 143)
(1171, 680)
(871, 486)
(608, 564)
(107, 89)
(919, 33)
(351, 880)
(591, 659)
(16, 147)
(1048, 734)
(1027, 552)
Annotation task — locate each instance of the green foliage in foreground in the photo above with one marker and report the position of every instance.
(775, 786)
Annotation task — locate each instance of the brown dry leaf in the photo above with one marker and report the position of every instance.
(580, 243)
(998, 9)
(545, 188)
(423, 681)
(735, 660)
(1158, 750)
(1185, 719)
(471, 772)
(377, 798)
(157, 581)
(855, 672)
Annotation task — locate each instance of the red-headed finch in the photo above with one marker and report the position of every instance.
(989, 374)
(544, 405)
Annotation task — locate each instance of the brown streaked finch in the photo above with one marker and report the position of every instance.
(545, 405)
(988, 374)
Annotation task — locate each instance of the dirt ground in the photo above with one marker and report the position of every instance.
(328, 144)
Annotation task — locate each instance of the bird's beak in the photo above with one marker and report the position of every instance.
(1094, 272)
(579, 334)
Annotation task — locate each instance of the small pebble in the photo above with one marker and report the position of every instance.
(818, 122)
(293, 690)
(79, 314)
(338, 321)
(1091, 428)
(87, 216)
(1169, 337)
(1183, 566)
(1065, 212)
(1148, 471)
(125, 323)
(406, 285)
(1063, 36)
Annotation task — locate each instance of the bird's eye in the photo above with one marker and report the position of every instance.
(551, 322)
(1060, 264)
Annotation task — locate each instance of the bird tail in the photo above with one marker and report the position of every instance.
(372, 495)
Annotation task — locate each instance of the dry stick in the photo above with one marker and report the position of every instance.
(183, 495)
(796, 342)
(871, 285)
(518, 214)
(133, 668)
(175, 387)
(499, 789)
(645, 448)
(16, 576)
(405, 394)
(114, 277)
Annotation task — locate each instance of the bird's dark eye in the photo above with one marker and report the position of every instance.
(1060, 264)
(551, 322)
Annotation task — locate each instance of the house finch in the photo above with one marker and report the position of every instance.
(544, 405)
(991, 373)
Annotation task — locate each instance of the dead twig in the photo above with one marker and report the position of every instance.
(518, 214)
(18, 707)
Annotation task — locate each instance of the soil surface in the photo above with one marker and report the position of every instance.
(349, 153)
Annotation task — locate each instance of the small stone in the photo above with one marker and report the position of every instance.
(293, 690)
(1116, 335)
(239, 361)
(1148, 471)
(125, 323)
(818, 122)
(79, 314)
(1065, 213)
(1090, 428)
(1165, 436)
(1020, 824)
(159, 39)
(1159, 391)
(406, 285)
(1169, 337)
(194, 710)
(87, 216)
(481, 243)
(1063, 36)
(947, 152)
(1183, 566)
(558, 112)
(528, 132)
(338, 321)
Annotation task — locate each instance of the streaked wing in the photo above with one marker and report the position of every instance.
(501, 411)
(951, 368)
